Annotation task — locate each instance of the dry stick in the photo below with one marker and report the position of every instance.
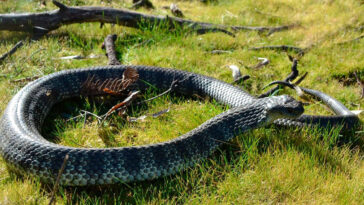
(352, 40)
(262, 29)
(55, 188)
(241, 79)
(142, 3)
(301, 79)
(173, 85)
(360, 84)
(293, 75)
(300, 51)
(84, 113)
(263, 62)
(128, 100)
(26, 79)
(109, 46)
(176, 11)
(12, 50)
(51, 20)
(36, 36)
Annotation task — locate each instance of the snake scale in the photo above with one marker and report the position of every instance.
(27, 152)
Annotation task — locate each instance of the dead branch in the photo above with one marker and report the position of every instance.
(285, 48)
(26, 79)
(123, 104)
(220, 52)
(293, 75)
(143, 117)
(176, 11)
(109, 46)
(288, 84)
(352, 40)
(360, 84)
(241, 79)
(11, 51)
(142, 3)
(300, 79)
(44, 22)
(174, 84)
(263, 62)
(235, 72)
(262, 29)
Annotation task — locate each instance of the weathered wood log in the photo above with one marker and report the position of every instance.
(47, 21)
(109, 46)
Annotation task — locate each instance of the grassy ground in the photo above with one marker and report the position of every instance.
(267, 165)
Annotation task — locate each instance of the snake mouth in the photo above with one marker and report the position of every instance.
(286, 107)
(293, 109)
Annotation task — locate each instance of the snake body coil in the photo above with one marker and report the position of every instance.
(26, 151)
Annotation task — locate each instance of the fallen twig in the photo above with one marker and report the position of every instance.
(263, 62)
(176, 11)
(157, 114)
(241, 79)
(143, 117)
(262, 29)
(142, 43)
(288, 84)
(109, 46)
(41, 23)
(123, 104)
(26, 79)
(12, 50)
(293, 75)
(78, 57)
(300, 79)
(360, 84)
(142, 3)
(220, 52)
(352, 40)
(60, 172)
(235, 72)
(90, 113)
(173, 85)
(297, 50)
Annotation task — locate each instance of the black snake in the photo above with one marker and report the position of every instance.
(26, 151)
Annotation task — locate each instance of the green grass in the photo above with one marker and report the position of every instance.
(264, 166)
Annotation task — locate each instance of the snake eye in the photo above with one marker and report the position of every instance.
(286, 107)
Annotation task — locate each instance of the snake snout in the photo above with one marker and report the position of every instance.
(287, 107)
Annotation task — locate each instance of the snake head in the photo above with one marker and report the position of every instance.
(284, 106)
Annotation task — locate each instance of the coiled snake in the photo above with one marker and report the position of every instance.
(26, 151)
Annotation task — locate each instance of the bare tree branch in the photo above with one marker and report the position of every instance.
(142, 3)
(262, 29)
(109, 46)
(47, 21)
(176, 11)
(293, 75)
(360, 84)
(298, 50)
(352, 40)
